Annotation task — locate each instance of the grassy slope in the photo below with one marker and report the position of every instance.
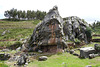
(18, 30)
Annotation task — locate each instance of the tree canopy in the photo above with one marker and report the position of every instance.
(14, 14)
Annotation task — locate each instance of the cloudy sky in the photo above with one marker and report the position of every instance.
(85, 9)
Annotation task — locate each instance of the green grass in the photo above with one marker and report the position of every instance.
(95, 37)
(65, 59)
(16, 34)
(6, 43)
(2, 64)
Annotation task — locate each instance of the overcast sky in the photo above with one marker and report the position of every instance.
(85, 9)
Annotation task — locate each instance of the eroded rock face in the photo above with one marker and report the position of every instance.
(49, 31)
(74, 27)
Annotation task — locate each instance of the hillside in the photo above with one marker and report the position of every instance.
(24, 29)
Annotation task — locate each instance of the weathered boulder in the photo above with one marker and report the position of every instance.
(22, 59)
(71, 51)
(43, 58)
(49, 32)
(74, 27)
(85, 52)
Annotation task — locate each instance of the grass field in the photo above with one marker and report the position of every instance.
(65, 60)
(23, 29)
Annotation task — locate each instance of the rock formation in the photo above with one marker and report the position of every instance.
(74, 27)
(53, 32)
(49, 32)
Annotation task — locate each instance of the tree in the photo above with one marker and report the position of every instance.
(40, 15)
(33, 15)
(93, 26)
(7, 14)
(23, 15)
(28, 14)
(13, 13)
(19, 13)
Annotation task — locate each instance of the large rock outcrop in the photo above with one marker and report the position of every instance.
(53, 32)
(49, 32)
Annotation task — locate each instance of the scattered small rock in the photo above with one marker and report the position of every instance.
(21, 39)
(39, 51)
(63, 62)
(75, 54)
(25, 41)
(22, 59)
(5, 50)
(71, 51)
(88, 66)
(4, 32)
(26, 63)
(43, 58)
(18, 49)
